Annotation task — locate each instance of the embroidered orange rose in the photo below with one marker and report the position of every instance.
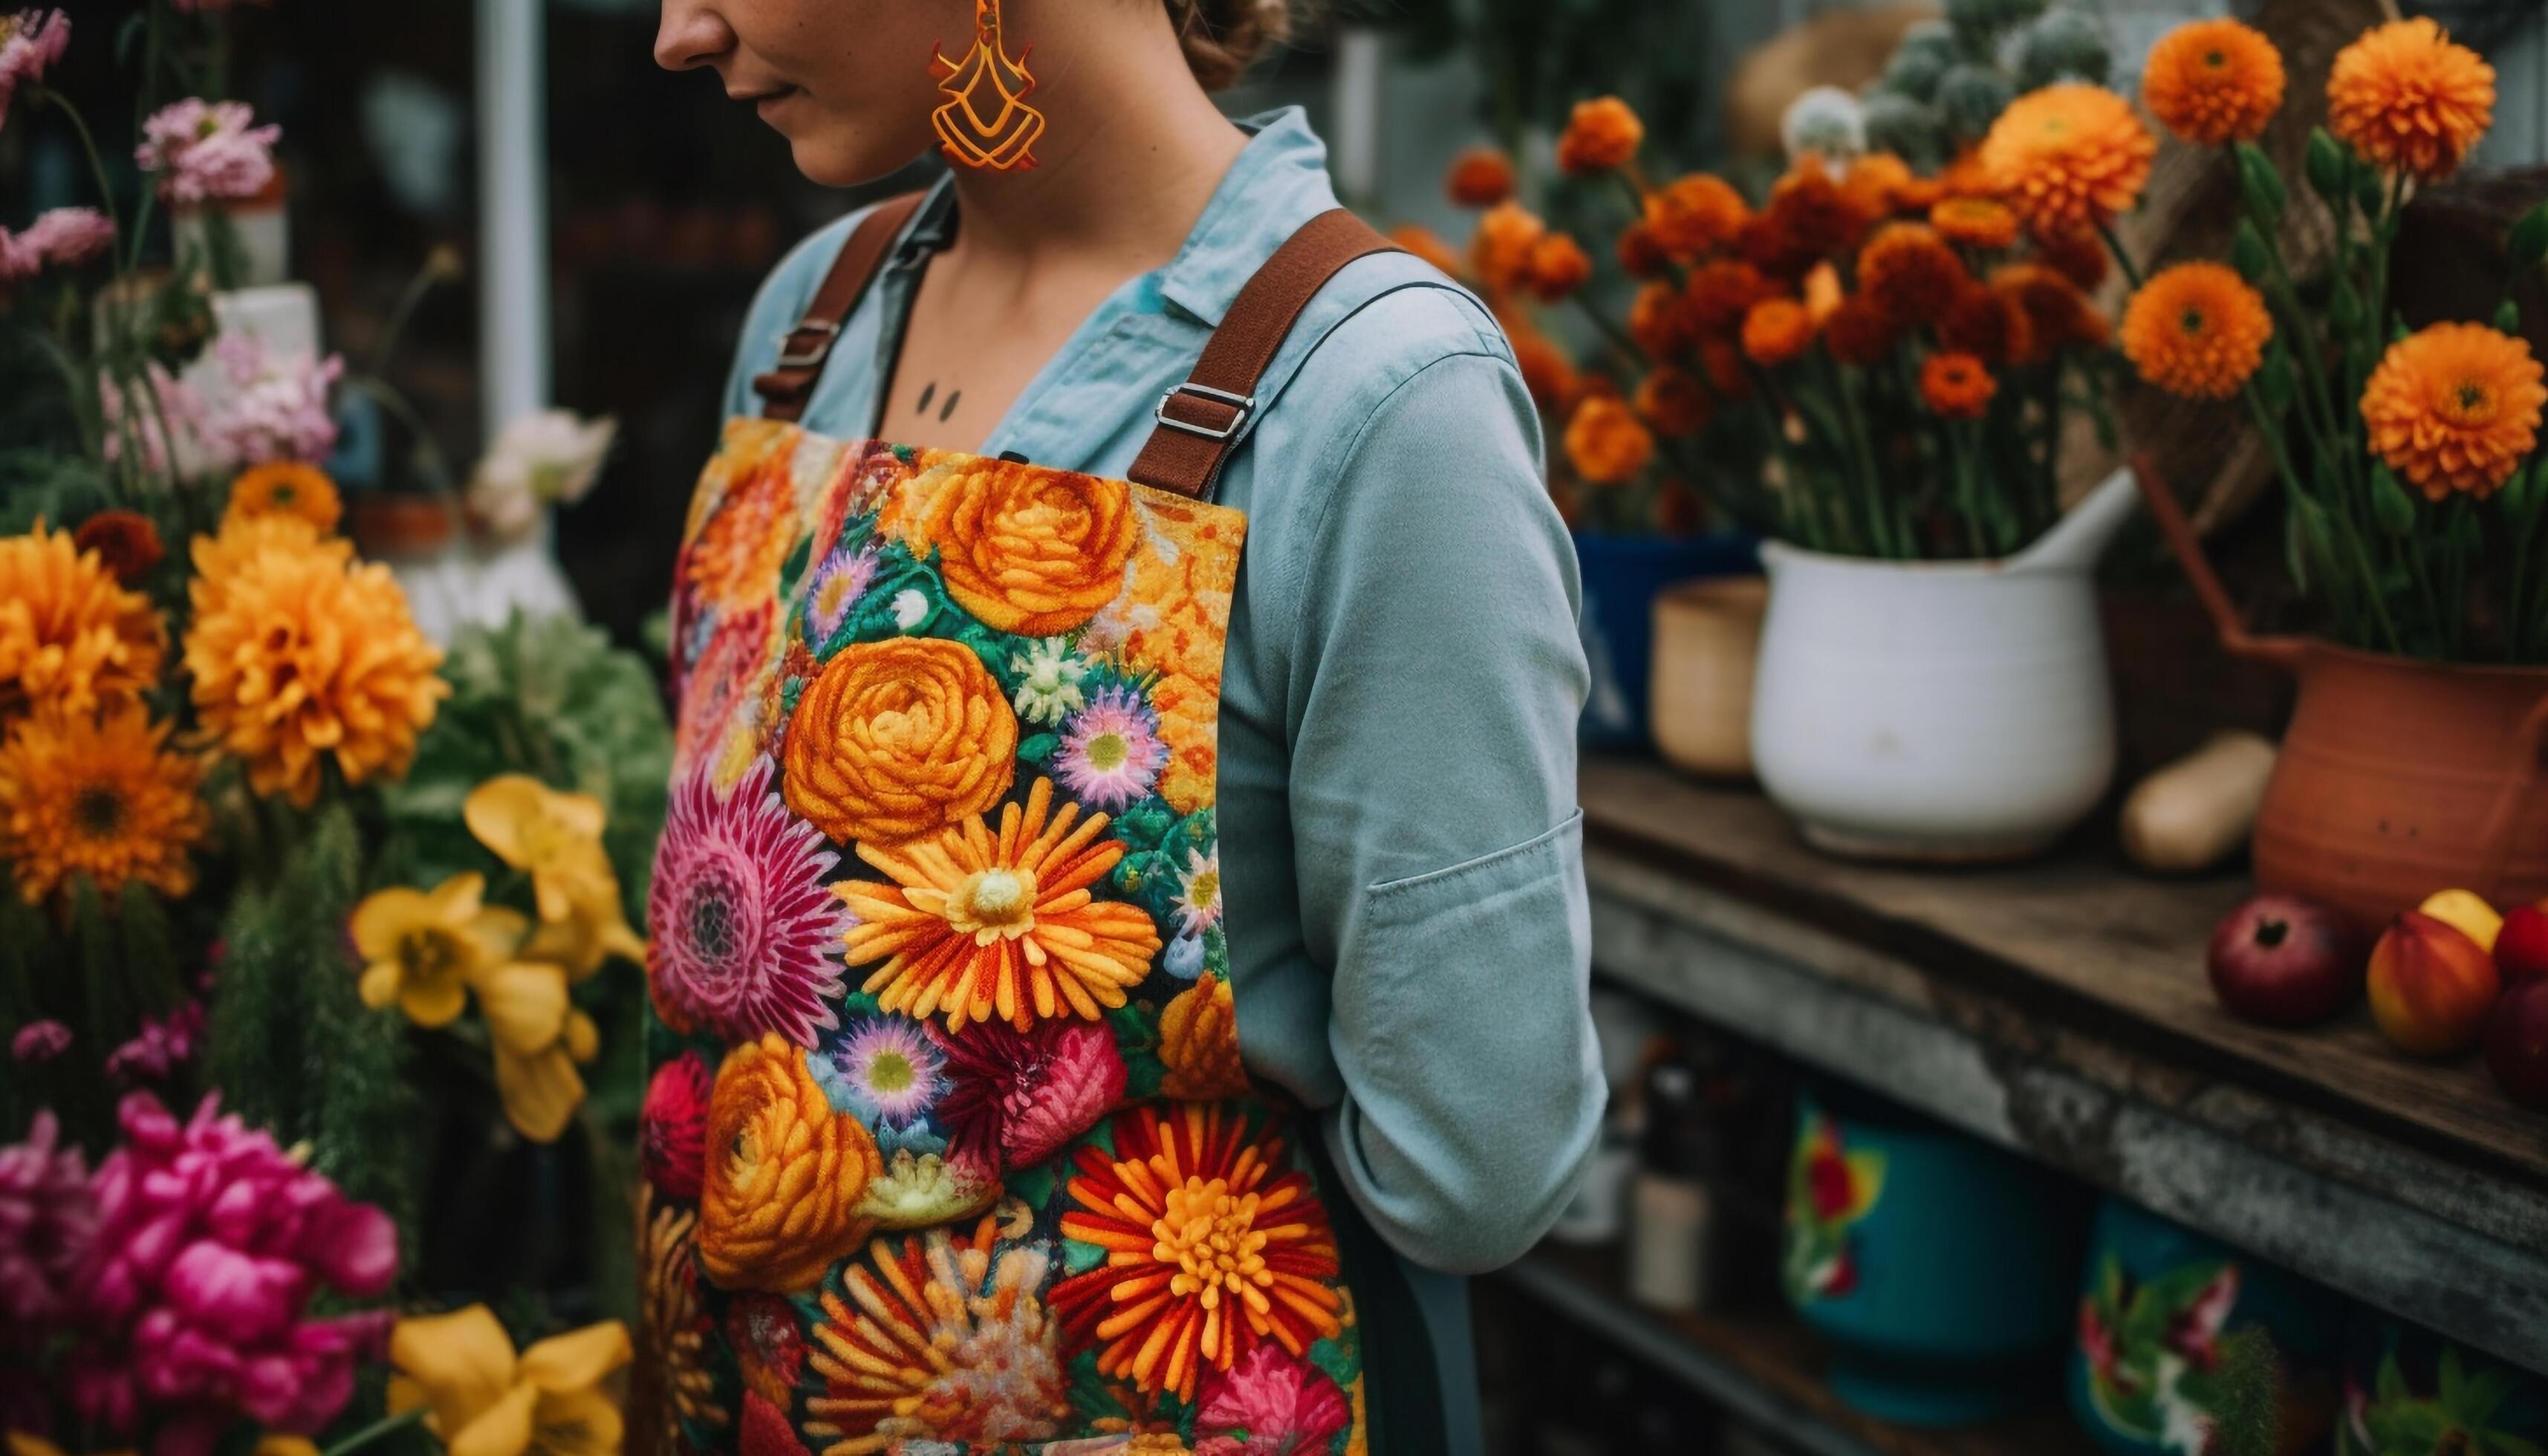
(898, 739)
(734, 559)
(784, 1173)
(1199, 1043)
(1032, 551)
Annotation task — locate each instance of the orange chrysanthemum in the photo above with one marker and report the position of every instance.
(298, 655)
(2197, 330)
(2058, 315)
(1809, 217)
(126, 543)
(1602, 133)
(1876, 182)
(98, 795)
(2213, 81)
(780, 1197)
(897, 739)
(1032, 551)
(1507, 238)
(1694, 215)
(1975, 221)
(1858, 332)
(975, 923)
(286, 488)
(1719, 294)
(70, 634)
(1989, 325)
(2081, 256)
(1605, 442)
(1659, 321)
(1558, 267)
(1546, 371)
(1775, 332)
(2068, 157)
(1640, 256)
(1427, 244)
(1479, 177)
(1213, 1244)
(2455, 407)
(1907, 270)
(1822, 293)
(1957, 386)
(1720, 361)
(1673, 402)
(2406, 99)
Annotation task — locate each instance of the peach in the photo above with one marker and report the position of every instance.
(2467, 912)
(2431, 986)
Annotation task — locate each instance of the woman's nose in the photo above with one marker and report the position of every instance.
(692, 34)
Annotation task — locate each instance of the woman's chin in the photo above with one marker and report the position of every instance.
(839, 157)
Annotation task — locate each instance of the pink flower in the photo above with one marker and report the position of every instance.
(30, 41)
(886, 1072)
(1283, 1405)
(40, 1042)
(160, 1048)
(274, 409)
(126, 407)
(64, 236)
(743, 928)
(206, 151)
(1111, 752)
(47, 1219)
(671, 1129)
(192, 1300)
(1015, 1097)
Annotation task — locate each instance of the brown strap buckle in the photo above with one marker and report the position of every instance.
(825, 333)
(1241, 407)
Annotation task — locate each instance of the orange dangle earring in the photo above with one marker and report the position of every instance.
(985, 121)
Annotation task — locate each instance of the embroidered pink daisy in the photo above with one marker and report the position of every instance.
(1014, 1098)
(839, 583)
(206, 151)
(1199, 892)
(740, 919)
(30, 41)
(886, 1072)
(1111, 752)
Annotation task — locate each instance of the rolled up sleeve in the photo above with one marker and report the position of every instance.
(1437, 675)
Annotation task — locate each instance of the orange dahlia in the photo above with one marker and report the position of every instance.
(298, 653)
(1602, 133)
(779, 1195)
(1858, 332)
(2197, 330)
(1975, 221)
(1558, 267)
(895, 740)
(98, 795)
(1907, 270)
(1026, 550)
(2455, 407)
(1775, 332)
(286, 488)
(2068, 157)
(1694, 215)
(1479, 177)
(977, 923)
(1427, 244)
(126, 543)
(1719, 294)
(1672, 402)
(1506, 236)
(1957, 386)
(1213, 1245)
(2406, 99)
(1605, 442)
(2213, 81)
(70, 634)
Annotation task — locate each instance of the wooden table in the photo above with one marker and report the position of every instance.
(2061, 1008)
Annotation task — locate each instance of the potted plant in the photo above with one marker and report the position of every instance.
(2406, 457)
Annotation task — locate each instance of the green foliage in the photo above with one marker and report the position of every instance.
(2327, 166)
(2266, 197)
(2246, 1411)
(2530, 242)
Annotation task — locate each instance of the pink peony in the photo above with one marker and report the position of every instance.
(30, 41)
(672, 1130)
(160, 1048)
(1015, 1097)
(40, 1042)
(1286, 1408)
(193, 1300)
(206, 151)
(742, 929)
(274, 409)
(47, 1218)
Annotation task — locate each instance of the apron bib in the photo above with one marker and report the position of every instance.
(948, 1144)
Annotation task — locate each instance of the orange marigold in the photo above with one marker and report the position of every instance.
(2213, 81)
(1957, 386)
(1640, 256)
(1776, 330)
(1479, 177)
(1858, 332)
(2408, 99)
(1876, 182)
(1907, 270)
(1694, 215)
(70, 634)
(2068, 157)
(1719, 294)
(1659, 321)
(2455, 407)
(1427, 244)
(1507, 234)
(1989, 325)
(1545, 370)
(98, 795)
(1602, 133)
(1975, 221)
(2197, 330)
(126, 543)
(1673, 402)
(286, 488)
(2081, 256)
(1605, 442)
(1558, 267)
(1809, 217)
(1721, 362)
(2058, 315)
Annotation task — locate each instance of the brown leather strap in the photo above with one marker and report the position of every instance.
(1199, 420)
(808, 346)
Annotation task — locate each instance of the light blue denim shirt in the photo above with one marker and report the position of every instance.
(1400, 853)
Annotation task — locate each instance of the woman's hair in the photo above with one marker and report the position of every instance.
(1224, 38)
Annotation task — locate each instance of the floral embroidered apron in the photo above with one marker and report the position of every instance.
(947, 1147)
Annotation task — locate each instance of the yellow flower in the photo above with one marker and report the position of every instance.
(423, 948)
(540, 1035)
(70, 632)
(98, 795)
(557, 839)
(483, 1400)
(585, 939)
(21, 1443)
(285, 488)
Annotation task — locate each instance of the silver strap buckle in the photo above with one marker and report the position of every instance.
(825, 331)
(1242, 406)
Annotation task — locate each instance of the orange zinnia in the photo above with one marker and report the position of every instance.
(2197, 330)
(2213, 81)
(2407, 100)
(1858, 332)
(2068, 157)
(2455, 407)
(1479, 177)
(1558, 267)
(1507, 238)
(1697, 213)
(1957, 386)
(1673, 402)
(286, 488)
(1602, 133)
(1908, 271)
(1719, 294)
(974, 923)
(1605, 442)
(1975, 221)
(1776, 330)
(1427, 244)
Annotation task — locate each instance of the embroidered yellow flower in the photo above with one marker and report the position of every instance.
(424, 948)
(483, 1400)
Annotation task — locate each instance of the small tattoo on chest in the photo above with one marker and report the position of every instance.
(929, 392)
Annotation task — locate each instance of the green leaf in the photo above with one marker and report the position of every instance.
(2452, 1379)
(2263, 185)
(2528, 244)
(2390, 502)
(2344, 306)
(2521, 494)
(2508, 317)
(2370, 191)
(2249, 252)
(2483, 1393)
(2326, 164)
(2500, 1443)
(2274, 382)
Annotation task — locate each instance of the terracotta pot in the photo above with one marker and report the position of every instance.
(1707, 641)
(2397, 777)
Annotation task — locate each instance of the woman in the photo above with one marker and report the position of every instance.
(1404, 929)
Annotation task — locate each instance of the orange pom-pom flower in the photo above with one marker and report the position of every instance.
(1558, 267)
(2213, 81)
(1602, 133)
(2197, 330)
(2455, 407)
(1957, 386)
(1479, 177)
(2068, 157)
(1694, 213)
(1907, 270)
(1775, 332)
(1606, 441)
(2406, 99)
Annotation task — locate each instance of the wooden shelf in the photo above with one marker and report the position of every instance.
(1764, 1366)
(2060, 1008)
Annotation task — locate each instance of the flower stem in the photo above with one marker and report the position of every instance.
(387, 1425)
(2123, 259)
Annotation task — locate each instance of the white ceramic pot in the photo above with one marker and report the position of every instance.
(1939, 711)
